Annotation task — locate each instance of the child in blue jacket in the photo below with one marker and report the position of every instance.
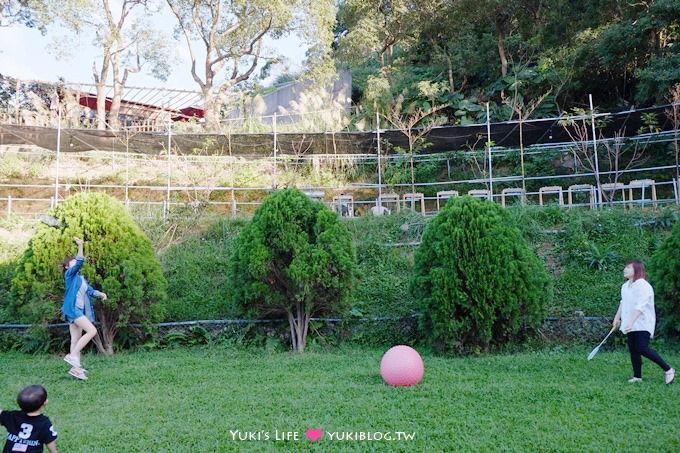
(78, 310)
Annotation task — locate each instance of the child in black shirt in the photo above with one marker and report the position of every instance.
(28, 430)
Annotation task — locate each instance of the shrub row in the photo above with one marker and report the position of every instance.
(583, 250)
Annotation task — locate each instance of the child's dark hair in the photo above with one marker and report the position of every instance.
(65, 263)
(32, 398)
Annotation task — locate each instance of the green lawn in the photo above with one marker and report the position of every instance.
(197, 399)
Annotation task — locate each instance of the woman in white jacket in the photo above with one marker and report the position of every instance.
(637, 319)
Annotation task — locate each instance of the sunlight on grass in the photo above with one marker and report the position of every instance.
(208, 399)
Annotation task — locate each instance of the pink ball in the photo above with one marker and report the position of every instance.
(401, 366)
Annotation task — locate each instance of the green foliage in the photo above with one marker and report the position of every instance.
(385, 262)
(665, 277)
(501, 52)
(37, 339)
(120, 262)
(658, 77)
(6, 274)
(579, 289)
(384, 266)
(382, 282)
(398, 170)
(296, 259)
(195, 271)
(382, 307)
(629, 234)
(9, 341)
(478, 280)
(384, 332)
(666, 219)
(650, 123)
(589, 251)
(597, 258)
(195, 336)
(377, 96)
(535, 221)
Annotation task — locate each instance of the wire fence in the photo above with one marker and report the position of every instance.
(589, 169)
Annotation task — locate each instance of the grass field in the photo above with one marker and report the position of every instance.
(209, 399)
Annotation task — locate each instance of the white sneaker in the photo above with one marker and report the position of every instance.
(670, 376)
(633, 380)
(68, 358)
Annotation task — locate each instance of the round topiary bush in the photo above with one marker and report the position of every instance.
(120, 262)
(664, 274)
(478, 281)
(296, 260)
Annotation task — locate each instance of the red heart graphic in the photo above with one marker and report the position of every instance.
(314, 434)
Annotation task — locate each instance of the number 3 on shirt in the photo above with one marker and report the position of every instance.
(26, 430)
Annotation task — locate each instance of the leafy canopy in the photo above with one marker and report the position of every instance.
(295, 258)
(478, 281)
(120, 261)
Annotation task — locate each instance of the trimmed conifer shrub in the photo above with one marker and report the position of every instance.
(296, 260)
(478, 281)
(664, 275)
(120, 261)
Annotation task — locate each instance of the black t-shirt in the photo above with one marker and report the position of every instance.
(26, 433)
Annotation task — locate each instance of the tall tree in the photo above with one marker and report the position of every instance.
(123, 34)
(375, 27)
(499, 16)
(231, 37)
(454, 45)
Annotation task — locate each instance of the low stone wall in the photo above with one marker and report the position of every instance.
(390, 331)
(578, 329)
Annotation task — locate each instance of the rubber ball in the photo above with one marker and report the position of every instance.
(402, 366)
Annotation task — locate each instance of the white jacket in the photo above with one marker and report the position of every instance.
(638, 296)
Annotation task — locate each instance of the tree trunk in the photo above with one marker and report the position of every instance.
(114, 120)
(101, 106)
(293, 337)
(100, 80)
(413, 180)
(501, 53)
(299, 326)
(211, 110)
(449, 65)
(106, 333)
(114, 112)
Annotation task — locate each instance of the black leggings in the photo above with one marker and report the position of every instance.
(638, 345)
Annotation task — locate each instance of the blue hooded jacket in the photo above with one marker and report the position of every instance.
(72, 281)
